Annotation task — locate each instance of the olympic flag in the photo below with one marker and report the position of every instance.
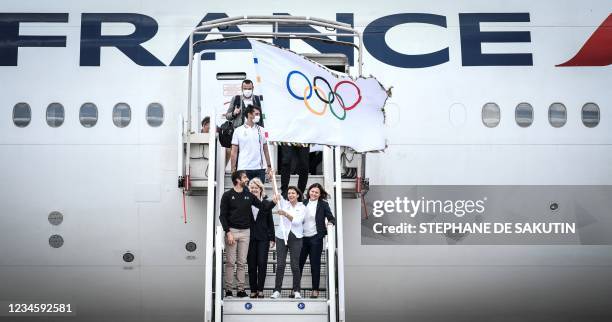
(308, 103)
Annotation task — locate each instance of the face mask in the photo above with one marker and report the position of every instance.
(256, 119)
(247, 93)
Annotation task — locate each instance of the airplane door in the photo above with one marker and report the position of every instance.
(220, 80)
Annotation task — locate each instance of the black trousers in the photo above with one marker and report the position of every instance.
(294, 246)
(315, 159)
(301, 156)
(257, 261)
(312, 247)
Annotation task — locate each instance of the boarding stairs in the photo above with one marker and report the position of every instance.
(202, 172)
(329, 306)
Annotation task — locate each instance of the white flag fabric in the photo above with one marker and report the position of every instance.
(305, 102)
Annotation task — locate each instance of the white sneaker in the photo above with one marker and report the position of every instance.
(297, 295)
(275, 295)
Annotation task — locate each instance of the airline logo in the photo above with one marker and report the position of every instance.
(597, 51)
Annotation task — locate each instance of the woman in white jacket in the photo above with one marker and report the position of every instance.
(293, 211)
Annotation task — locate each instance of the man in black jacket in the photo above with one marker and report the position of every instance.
(236, 218)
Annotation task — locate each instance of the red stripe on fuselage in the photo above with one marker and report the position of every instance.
(597, 51)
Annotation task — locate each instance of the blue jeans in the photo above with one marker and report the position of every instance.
(259, 173)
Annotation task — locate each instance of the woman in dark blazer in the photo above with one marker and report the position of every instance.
(262, 239)
(315, 230)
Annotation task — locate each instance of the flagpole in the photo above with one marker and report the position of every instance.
(272, 173)
(275, 187)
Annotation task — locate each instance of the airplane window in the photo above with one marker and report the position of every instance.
(590, 115)
(524, 114)
(557, 114)
(155, 114)
(55, 114)
(22, 114)
(122, 115)
(88, 115)
(490, 115)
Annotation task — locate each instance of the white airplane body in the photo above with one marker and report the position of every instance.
(116, 187)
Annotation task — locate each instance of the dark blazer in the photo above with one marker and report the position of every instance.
(323, 211)
(263, 227)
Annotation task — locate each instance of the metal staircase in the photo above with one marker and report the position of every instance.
(284, 308)
(246, 309)
(202, 172)
(306, 276)
(209, 179)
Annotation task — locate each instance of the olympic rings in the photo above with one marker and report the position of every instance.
(358, 94)
(289, 87)
(341, 104)
(328, 100)
(314, 82)
(308, 105)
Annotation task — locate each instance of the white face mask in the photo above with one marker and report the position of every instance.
(247, 93)
(256, 119)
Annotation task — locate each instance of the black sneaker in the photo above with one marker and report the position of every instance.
(242, 294)
(229, 294)
(292, 295)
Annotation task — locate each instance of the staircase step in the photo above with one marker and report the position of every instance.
(286, 292)
(283, 309)
(306, 282)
